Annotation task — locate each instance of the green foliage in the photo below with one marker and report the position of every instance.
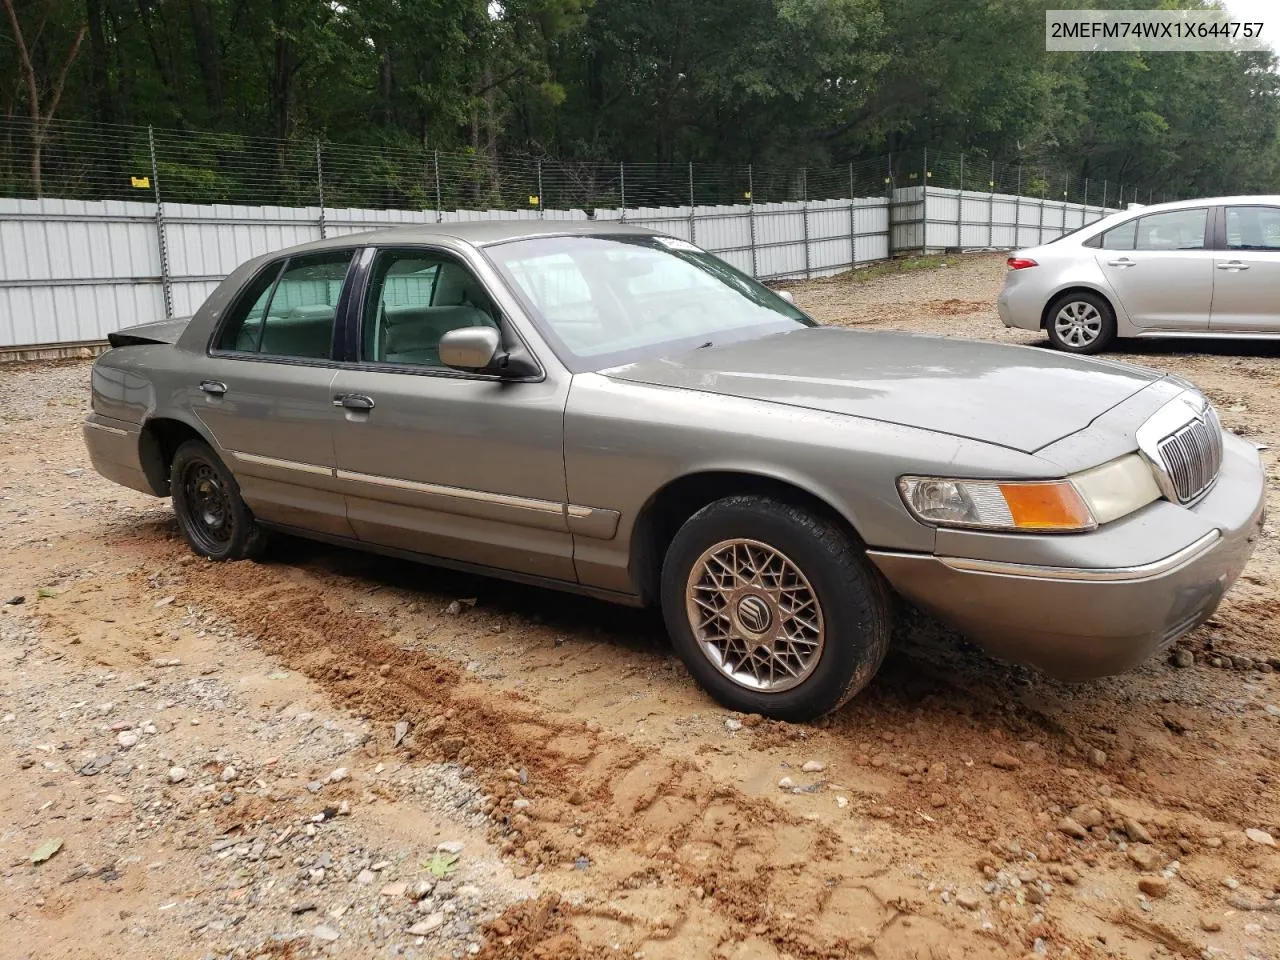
(781, 84)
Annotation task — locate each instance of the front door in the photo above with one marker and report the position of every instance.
(265, 392)
(454, 465)
(1161, 269)
(1246, 289)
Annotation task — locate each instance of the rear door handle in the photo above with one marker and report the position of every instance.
(354, 401)
(214, 388)
(1122, 262)
(1233, 265)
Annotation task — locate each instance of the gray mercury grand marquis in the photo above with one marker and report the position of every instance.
(606, 410)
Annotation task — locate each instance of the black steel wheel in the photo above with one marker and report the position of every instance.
(213, 518)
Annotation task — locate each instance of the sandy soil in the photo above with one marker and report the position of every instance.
(604, 807)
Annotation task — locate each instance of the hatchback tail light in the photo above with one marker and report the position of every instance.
(1020, 263)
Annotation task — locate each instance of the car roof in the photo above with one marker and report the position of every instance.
(478, 232)
(1270, 199)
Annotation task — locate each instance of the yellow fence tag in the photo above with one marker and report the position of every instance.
(142, 183)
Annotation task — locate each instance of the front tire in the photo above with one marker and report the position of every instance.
(213, 517)
(1080, 322)
(774, 609)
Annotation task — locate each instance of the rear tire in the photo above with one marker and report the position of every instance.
(213, 517)
(1080, 322)
(774, 609)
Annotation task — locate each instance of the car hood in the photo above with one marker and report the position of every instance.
(1023, 398)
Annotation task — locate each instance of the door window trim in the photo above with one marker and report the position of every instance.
(353, 321)
(281, 266)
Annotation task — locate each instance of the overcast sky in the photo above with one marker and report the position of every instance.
(1255, 11)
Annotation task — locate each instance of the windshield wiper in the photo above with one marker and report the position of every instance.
(705, 345)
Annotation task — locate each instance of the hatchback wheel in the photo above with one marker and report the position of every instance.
(773, 609)
(1081, 322)
(206, 499)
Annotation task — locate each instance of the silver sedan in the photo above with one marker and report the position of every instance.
(1196, 268)
(602, 409)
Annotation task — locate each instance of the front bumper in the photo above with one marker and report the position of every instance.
(1082, 622)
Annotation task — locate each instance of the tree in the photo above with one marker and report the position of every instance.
(43, 93)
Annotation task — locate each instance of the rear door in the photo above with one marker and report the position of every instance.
(1161, 268)
(1246, 289)
(264, 391)
(462, 466)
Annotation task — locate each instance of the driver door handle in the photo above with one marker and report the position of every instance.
(354, 401)
(1122, 262)
(215, 388)
(1233, 265)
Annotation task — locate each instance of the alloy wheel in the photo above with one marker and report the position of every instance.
(755, 616)
(1078, 323)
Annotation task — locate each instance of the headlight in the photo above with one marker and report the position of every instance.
(1075, 504)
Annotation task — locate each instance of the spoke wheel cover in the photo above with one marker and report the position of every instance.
(1078, 323)
(209, 515)
(755, 616)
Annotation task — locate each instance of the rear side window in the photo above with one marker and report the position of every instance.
(1121, 237)
(290, 313)
(1253, 228)
(1175, 230)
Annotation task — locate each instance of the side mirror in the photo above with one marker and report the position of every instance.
(787, 296)
(470, 348)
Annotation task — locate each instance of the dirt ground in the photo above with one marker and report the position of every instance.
(332, 754)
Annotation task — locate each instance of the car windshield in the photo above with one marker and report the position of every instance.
(605, 300)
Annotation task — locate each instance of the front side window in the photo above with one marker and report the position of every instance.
(414, 298)
(1174, 230)
(1253, 228)
(603, 300)
(289, 311)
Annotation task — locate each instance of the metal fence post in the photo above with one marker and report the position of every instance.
(751, 218)
(693, 210)
(991, 209)
(320, 188)
(853, 223)
(160, 230)
(622, 190)
(804, 215)
(1104, 196)
(960, 208)
(924, 202)
(888, 182)
(1086, 200)
(1044, 182)
(542, 201)
(439, 203)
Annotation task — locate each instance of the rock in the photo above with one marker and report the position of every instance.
(228, 774)
(450, 846)
(1005, 761)
(402, 731)
(325, 932)
(1033, 893)
(968, 899)
(1154, 887)
(394, 890)
(520, 803)
(1087, 816)
(16, 601)
(127, 739)
(177, 774)
(339, 775)
(1209, 923)
(420, 889)
(813, 766)
(1072, 829)
(786, 783)
(423, 927)
(732, 725)
(1145, 856)
(1241, 662)
(366, 877)
(1260, 836)
(842, 802)
(1183, 657)
(1136, 831)
(1098, 757)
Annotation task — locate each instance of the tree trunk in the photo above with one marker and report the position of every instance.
(205, 35)
(98, 68)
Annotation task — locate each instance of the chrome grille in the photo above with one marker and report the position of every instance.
(1192, 455)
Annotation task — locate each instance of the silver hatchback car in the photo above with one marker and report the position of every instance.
(1195, 268)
